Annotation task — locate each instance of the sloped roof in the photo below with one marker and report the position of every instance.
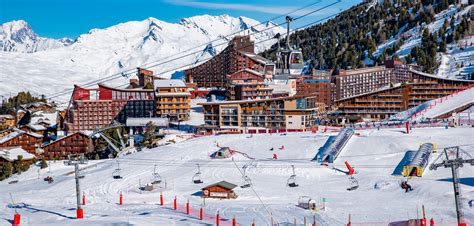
(256, 57)
(11, 154)
(223, 184)
(16, 133)
(168, 83)
(83, 133)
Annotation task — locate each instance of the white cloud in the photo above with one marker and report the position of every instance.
(242, 7)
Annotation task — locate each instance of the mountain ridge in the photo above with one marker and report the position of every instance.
(125, 46)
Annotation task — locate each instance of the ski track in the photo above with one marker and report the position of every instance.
(55, 203)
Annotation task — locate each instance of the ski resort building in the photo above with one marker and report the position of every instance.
(255, 116)
(30, 142)
(319, 84)
(91, 109)
(11, 154)
(7, 121)
(365, 80)
(76, 143)
(221, 190)
(381, 104)
(172, 99)
(238, 55)
(247, 84)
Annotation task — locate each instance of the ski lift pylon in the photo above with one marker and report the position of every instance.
(197, 176)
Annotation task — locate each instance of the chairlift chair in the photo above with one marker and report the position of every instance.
(291, 182)
(117, 172)
(247, 181)
(14, 179)
(81, 175)
(156, 177)
(197, 176)
(353, 183)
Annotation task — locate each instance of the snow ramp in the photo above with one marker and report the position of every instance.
(329, 152)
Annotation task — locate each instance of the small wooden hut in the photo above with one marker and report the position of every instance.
(221, 190)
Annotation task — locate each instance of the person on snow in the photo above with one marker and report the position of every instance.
(406, 186)
(271, 149)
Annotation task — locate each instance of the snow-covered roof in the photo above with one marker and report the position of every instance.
(160, 122)
(11, 154)
(7, 116)
(15, 133)
(173, 94)
(439, 77)
(36, 127)
(256, 57)
(85, 133)
(169, 83)
(44, 117)
(9, 136)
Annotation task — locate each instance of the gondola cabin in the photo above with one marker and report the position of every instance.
(419, 162)
(296, 62)
(221, 190)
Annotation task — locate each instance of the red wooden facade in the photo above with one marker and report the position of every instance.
(29, 142)
(77, 143)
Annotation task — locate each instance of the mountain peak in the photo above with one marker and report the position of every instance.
(18, 36)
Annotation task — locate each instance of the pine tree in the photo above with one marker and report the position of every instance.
(44, 164)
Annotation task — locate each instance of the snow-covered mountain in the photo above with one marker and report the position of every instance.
(103, 52)
(17, 36)
(456, 62)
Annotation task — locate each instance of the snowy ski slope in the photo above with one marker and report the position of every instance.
(447, 104)
(374, 154)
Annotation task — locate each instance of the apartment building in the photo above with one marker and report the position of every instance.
(247, 84)
(172, 99)
(291, 113)
(238, 55)
(92, 109)
(383, 103)
(319, 84)
(365, 80)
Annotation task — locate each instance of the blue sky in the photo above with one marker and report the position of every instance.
(70, 18)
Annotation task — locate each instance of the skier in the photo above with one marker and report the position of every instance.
(275, 157)
(406, 186)
(271, 149)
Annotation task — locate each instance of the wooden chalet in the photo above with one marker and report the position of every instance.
(28, 141)
(221, 190)
(76, 143)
